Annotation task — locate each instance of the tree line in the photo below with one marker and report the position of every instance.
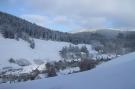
(16, 28)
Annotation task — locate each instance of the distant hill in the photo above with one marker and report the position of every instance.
(13, 27)
(105, 32)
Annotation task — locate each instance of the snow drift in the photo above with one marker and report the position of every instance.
(115, 74)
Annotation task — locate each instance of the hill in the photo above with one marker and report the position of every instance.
(13, 27)
(115, 74)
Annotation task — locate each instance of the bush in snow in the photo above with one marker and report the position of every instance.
(87, 64)
(11, 60)
(32, 44)
(22, 62)
(85, 50)
(74, 52)
(60, 65)
(34, 74)
(51, 71)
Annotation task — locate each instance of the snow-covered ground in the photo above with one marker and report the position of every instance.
(69, 71)
(115, 74)
(44, 50)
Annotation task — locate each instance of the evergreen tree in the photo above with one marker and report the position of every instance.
(84, 49)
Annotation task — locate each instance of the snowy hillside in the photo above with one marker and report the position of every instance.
(111, 33)
(44, 50)
(115, 74)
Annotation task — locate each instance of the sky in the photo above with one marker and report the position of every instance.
(73, 15)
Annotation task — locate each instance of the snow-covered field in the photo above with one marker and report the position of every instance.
(115, 74)
(44, 50)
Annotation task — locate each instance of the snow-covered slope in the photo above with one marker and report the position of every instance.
(44, 50)
(115, 74)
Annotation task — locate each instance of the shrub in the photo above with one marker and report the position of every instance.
(51, 71)
(11, 60)
(87, 64)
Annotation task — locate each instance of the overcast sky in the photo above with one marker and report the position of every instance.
(68, 15)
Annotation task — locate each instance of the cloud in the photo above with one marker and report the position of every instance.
(61, 20)
(99, 11)
(76, 14)
(49, 22)
(38, 19)
(84, 7)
